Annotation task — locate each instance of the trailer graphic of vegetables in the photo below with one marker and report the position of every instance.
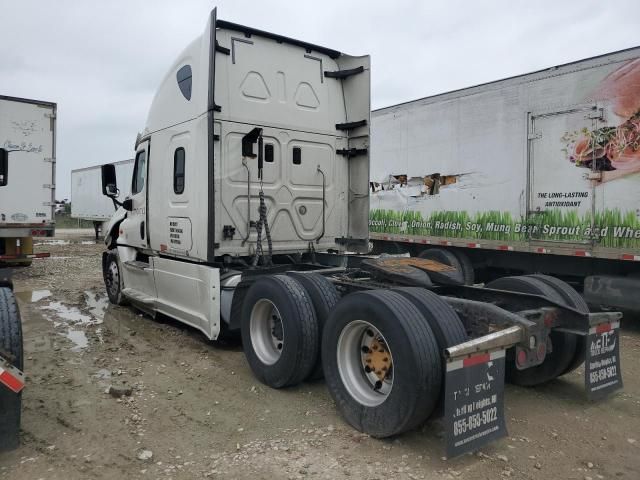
(611, 228)
(613, 149)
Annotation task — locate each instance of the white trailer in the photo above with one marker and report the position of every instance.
(538, 173)
(87, 203)
(250, 183)
(27, 176)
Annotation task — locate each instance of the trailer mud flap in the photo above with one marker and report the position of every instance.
(602, 374)
(474, 401)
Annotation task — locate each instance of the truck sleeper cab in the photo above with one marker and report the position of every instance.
(250, 186)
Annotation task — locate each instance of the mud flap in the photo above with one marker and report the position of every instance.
(602, 374)
(474, 402)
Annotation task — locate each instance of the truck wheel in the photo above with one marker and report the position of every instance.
(443, 320)
(325, 297)
(11, 343)
(573, 299)
(563, 344)
(113, 278)
(381, 362)
(457, 260)
(279, 331)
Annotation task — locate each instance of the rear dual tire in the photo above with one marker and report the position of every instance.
(11, 343)
(381, 329)
(566, 353)
(279, 331)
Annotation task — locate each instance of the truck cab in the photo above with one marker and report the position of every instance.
(255, 150)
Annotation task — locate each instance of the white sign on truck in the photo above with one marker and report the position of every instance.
(87, 203)
(27, 183)
(536, 173)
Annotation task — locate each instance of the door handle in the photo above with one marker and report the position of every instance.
(142, 230)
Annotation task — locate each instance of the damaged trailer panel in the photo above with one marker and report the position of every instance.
(544, 169)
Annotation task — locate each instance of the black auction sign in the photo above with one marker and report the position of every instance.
(474, 402)
(602, 360)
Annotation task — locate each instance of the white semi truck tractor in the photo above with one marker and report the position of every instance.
(249, 212)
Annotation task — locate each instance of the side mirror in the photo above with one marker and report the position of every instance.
(127, 204)
(4, 166)
(109, 181)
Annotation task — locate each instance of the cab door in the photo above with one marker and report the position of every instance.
(134, 227)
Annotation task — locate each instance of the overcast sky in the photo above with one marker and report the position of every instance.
(101, 61)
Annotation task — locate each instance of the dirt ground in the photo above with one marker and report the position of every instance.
(196, 411)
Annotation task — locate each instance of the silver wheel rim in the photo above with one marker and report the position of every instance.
(361, 346)
(267, 331)
(113, 277)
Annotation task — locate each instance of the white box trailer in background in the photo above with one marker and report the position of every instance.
(535, 173)
(87, 203)
(27, 176)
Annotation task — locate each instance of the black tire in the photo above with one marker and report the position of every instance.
(325, 297)
(416, 364)
(563, 344)
(112, 276)
(573, 299)
(289, 359)
(443, 320)
(11, 343)
(467, 267)
(449, 258)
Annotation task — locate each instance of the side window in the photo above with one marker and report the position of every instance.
(184, 81)
(178, 171)
(139, 172)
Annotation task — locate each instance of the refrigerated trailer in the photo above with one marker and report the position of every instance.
(27, 176)
(248, 212)
(87, 203)
(538, 173)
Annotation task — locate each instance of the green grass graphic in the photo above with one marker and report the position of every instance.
(389, 221)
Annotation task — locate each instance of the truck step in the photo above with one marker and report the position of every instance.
(138, 296)
(136, 264)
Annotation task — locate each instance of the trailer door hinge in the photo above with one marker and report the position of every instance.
(52, 116)
(352, 152)
(340, 74)
(48, 204)
(534, 136)
(49, 160)
(48, 185)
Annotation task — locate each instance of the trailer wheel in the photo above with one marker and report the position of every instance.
(11, 343)
(563, 344)
(457, 260)
(325, 297)
(112, 276)
(279, 331)
(381, 362)
(573, 299)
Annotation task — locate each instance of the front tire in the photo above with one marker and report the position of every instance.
(279, 331)
(10, 342)
(381, 363)
(112, 275)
